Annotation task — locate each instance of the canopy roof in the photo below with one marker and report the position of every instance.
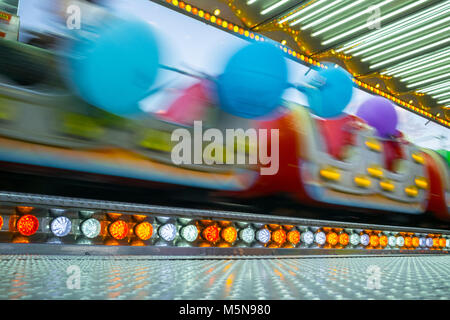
(399, 49)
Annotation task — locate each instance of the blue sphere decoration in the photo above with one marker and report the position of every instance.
(114, 69)
(253, 81)
(336, 89)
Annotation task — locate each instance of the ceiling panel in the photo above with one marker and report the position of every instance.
(399, 49)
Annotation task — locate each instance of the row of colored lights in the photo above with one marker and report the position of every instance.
(236, 29)
(136, 229)
(399, 101)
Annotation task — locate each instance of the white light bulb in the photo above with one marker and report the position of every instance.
(61, 226)
(168, 232)
(90, 228)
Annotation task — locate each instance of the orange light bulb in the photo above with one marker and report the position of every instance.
(408, 242)
(27, 225)
(374, 241)
(211, 233)
(279, 236)
(383, 240)
(293, 237)
(229, 234)
(144, 230)
(415, 242)
(118, 229)
(344, 239)
(332, 238)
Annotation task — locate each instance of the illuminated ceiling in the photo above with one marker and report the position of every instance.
(399, 49)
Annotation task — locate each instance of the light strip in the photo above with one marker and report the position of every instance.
(417, 61)
(251, 2)
(429, 26)
(396, 12)
(426, 66)
(442, 76)
(324, 8)
(371, 8)
(273, 7)
(391, 29)
(328, 16)
(427, 56)
(312, 6)
(441, 95)
(306, 233)
(406, 44)
(444, 101)
(438, 85)
(410, 53)
(435, 90)
(425, 73)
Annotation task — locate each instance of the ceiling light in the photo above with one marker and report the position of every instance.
(273, 7)
(418, 61)
(439, 85)
(292, 16)
(433, 91)
(409, 53)
(441, 95)
(424, 73)
(415, 84)
(328, 16)
(394, 28)
(316, 12)
(444, 101)
(414, 70)
(406, 44)
(397, 39)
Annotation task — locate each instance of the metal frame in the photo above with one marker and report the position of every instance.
(55, 201)
(200, 253)
(44, 201)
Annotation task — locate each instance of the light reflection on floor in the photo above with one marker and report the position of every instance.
(126, 277)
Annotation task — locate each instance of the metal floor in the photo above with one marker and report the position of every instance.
(127, 277)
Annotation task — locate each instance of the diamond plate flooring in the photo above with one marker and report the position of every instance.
(128, 277)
